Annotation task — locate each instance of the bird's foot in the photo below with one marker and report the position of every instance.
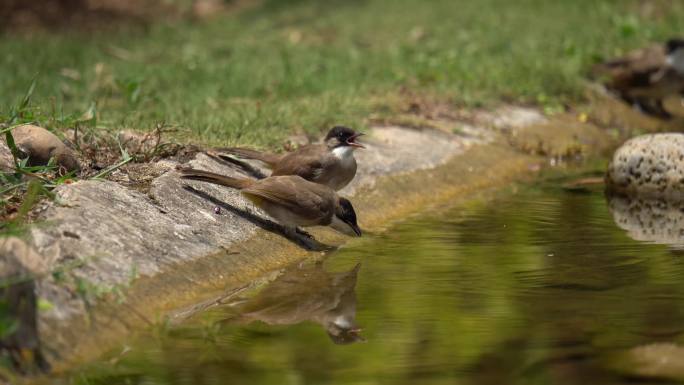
(304, 233)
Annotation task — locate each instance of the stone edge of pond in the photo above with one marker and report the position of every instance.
(135, 257)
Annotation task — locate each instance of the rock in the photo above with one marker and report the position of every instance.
(649, 166)
(663, 361)
(654, 221)
(40, 145)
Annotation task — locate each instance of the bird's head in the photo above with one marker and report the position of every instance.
(344, 334)
(675, 54)
(344, 219)
(340, 136)
(673, 45)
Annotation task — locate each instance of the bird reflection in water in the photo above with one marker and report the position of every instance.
(308, 293)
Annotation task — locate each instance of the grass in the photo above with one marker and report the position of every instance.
(287, 66)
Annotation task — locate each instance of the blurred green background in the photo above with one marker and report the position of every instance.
(256, 71)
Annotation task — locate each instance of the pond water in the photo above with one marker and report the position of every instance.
(535, 286)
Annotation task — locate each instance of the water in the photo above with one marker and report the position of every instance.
(535, 287)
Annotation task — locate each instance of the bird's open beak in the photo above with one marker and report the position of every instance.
(352, 141)
(356, 332)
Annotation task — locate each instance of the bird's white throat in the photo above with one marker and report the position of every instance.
(342, 322)
(676, 60)
(343, 152)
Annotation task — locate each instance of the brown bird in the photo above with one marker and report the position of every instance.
(308, 293)
(645, 77)
(330, 163)
(290, 200)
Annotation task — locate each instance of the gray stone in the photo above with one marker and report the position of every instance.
(650, 166)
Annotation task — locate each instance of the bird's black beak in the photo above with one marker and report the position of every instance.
(351, 141)
(356, 228)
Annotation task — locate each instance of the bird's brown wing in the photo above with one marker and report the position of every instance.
(307, 162)
(305, 199)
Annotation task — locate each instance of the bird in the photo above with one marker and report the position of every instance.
(331, 163)
(307, 293)
(645, 77)
(289, 199)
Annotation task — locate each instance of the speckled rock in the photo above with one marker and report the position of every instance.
(656, 221)
(650, 166)
(40, 145)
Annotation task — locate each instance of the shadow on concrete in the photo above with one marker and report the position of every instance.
(300, 239)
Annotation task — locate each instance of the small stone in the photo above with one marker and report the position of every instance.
(40, 145)
(649, 166)
(662, 361)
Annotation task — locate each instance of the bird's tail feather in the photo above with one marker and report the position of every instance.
(247, 153)
(206, 176)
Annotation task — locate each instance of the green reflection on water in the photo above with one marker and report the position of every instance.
(538, 287)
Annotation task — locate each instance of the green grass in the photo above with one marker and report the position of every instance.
(288, 66)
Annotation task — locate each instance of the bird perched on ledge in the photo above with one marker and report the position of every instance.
(290, 200)
(330, 163)
(645, 77)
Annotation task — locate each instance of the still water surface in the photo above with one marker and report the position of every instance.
(534, 287)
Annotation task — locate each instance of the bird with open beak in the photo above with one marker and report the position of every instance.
(645, 77)
(331, 163)
(289, 199)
